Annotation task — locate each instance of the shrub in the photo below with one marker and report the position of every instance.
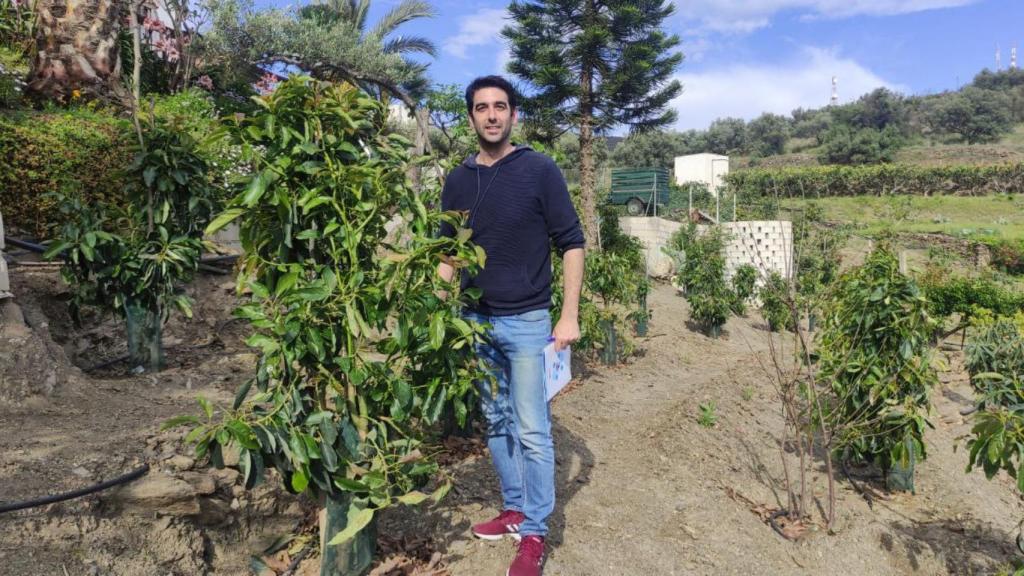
(878, 180)
(775, 303)
(704, 276)
(948, 295)
(996, 348)
(196, 111)
(845, 145)
(744, 283)
(874, 355)
(131, 260)
(1008, 256)
(995, 360)
(76, 150)
(614, 290)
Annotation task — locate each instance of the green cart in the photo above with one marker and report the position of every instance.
(639, 189)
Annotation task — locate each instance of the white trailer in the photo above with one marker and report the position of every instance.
(709, 169)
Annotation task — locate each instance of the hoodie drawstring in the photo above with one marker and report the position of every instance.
(480, 196)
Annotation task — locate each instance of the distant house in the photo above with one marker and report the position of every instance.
(612, 142)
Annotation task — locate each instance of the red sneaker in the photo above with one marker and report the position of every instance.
(505, 524)
(529, 559)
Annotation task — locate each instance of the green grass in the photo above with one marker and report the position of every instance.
(13, 60)
(962, 216)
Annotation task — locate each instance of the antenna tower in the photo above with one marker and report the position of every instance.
(999, 59)
(835, 92)
(1013, 57)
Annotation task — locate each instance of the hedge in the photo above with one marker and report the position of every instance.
(41, 152)
(877, 180)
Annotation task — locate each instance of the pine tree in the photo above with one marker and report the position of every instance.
(593, 65)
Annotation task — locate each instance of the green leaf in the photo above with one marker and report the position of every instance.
(223, 219)
(403, 392)
(441, 491)
(299, 480)
(285, 282)
(350, 485)
(436, 331)
(207, 407)
(359, 516)
(55, 249)
(259, 290)
(243, 391)
(263, 342)
(318, 417)
(257, 186)
(412, 498)
(329, 456)
(1020, 477)
(178, 421)
(353, 324)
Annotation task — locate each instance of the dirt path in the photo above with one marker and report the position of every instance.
(643, 489)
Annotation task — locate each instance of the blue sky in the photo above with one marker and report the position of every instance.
(743, 57)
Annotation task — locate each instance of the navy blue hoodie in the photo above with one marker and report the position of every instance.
(517, 208)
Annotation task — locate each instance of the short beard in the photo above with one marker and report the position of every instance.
(506, 136)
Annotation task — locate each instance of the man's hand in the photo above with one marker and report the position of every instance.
(566, 332)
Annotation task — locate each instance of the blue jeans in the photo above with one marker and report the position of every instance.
(518, 416)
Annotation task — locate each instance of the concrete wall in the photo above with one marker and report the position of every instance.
(767, 245)
(227, 239)
(653, 233)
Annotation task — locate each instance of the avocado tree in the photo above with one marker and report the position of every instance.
(358, 354)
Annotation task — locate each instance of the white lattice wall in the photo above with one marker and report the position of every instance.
(767, 245)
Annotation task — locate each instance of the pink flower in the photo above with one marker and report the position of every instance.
(153, 24)
(204, 82)
(267, 83)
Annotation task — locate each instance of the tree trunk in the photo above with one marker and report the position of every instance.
(77, 49)
(587, 192)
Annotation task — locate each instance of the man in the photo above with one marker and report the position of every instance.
(518, 206)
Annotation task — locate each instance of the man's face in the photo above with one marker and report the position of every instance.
(492, 117)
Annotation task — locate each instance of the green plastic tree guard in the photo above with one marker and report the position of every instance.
(641, 321)
(610, 353)
(900, 477)
(145, 344)
(351, 558)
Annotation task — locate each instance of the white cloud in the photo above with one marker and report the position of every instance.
(504, 57)
(479, 29)
(748, 15)
(746, 91)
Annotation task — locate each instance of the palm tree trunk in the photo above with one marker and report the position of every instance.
(77, 48)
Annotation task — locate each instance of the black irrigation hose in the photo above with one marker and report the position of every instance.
(215, 259)
(110, 362)
(133, 475)
(849, 477)
(30, 246)
(39, 249)
(775, 526)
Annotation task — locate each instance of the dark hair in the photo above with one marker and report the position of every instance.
(491, 82)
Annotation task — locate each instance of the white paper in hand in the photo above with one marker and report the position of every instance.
(557, 369)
